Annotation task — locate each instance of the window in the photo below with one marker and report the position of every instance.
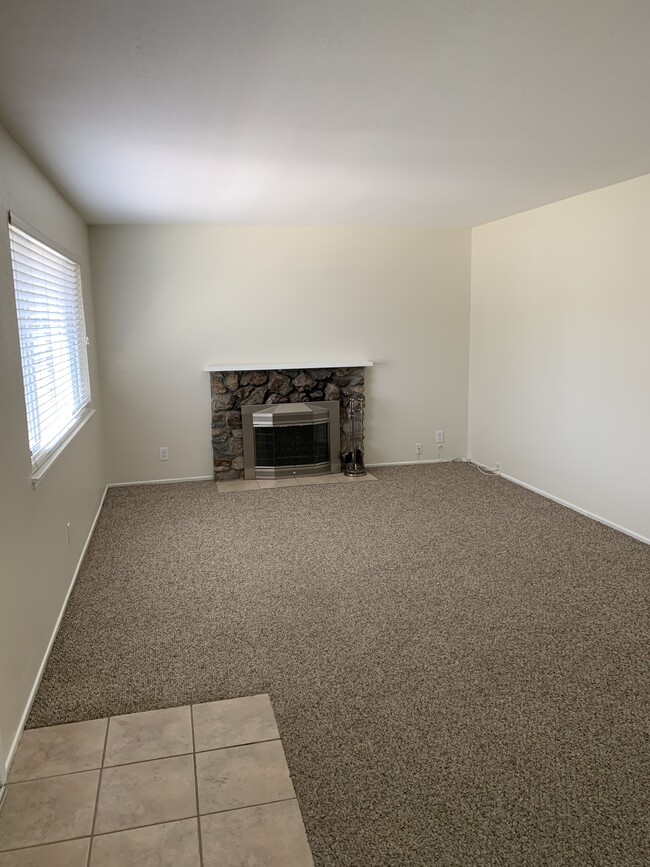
(49, 305)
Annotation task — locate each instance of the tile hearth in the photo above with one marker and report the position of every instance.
(240, 485)
(204, 784)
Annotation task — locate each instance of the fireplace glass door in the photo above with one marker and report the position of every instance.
(297, 445)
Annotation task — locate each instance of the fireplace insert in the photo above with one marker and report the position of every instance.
(291, 439)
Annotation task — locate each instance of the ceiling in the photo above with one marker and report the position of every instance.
(439, 112)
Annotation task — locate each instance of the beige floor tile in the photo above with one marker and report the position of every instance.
(236, 486)
(72, 853)
(45, 811)
(242, 777)
(174, 844)
(153, 734)
(272, 835)
(317, 480)
(233, 721)
(367, 478)
(277, 483)
(60, 749)
(146, 793)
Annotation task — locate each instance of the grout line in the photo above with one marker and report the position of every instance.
(101, 767)
(99, 785)
(236, 746)
(104, 767)
(171, 821)
(147, 825)
(90, 837)
(196, 790)
(198, 818)
(143, 761)
(249, 806)
(179, 755)
(53, 776)
(165, 822)
(49, 843)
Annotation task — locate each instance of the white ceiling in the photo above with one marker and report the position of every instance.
(449, 112)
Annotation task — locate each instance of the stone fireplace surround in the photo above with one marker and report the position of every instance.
(231, 388)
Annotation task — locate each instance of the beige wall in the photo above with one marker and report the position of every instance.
(560, 351)
(37, 563)
(172, 299)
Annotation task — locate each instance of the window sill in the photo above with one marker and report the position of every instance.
(38, 474)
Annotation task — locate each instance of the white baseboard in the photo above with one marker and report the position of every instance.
(575, 508)
(161, 481)
(14, 746)
(535, 490)
(3, 772)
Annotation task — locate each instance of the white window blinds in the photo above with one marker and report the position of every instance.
(49, 305)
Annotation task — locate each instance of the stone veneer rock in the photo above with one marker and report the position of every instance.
(232, 389)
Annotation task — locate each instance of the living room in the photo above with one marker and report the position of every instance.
(456, 196)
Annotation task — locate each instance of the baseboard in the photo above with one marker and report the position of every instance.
(161, 481)
(3, 773)
(535, 490)
(406, 463)
(575, 508)
(14, 746)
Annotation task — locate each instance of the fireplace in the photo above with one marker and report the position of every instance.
(291, 439)
(232, 387)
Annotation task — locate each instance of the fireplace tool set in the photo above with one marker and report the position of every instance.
(352, 458)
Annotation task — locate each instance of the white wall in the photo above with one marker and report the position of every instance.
(560, 351)
(171, 299)
(37, 564)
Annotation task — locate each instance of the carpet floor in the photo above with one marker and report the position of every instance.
(459, 667)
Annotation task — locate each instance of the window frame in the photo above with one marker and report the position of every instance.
(43, 459)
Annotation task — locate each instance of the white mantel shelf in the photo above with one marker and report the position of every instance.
(286, 365)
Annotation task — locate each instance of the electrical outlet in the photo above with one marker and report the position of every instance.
(164, 453)
(440, 436)
(418, 450)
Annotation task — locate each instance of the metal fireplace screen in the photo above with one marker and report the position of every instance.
(291, 439)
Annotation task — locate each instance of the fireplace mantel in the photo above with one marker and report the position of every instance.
(286, 365)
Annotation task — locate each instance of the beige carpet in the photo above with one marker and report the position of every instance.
(459, 668)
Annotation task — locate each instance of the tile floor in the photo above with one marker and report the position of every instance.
(205, 785)
(260, 484)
